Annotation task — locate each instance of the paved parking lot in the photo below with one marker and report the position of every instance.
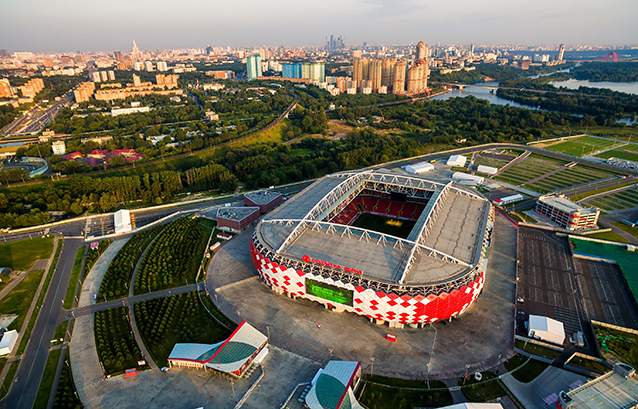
(480, 339)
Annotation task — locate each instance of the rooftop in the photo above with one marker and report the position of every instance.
(564, 204)
(610, 391)
(263, 197)
(236, 213)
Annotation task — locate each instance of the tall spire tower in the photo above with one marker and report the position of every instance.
(135, 52)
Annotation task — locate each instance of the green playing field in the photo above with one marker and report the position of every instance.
(384, 224)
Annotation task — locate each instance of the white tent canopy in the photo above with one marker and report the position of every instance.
(546, 329)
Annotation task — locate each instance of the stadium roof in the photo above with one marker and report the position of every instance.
(226, 356)
(332, 386)
(442, 246)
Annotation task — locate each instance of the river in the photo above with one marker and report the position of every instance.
(481, 91)
(626, 87)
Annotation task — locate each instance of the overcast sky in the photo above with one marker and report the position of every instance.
(68, 25)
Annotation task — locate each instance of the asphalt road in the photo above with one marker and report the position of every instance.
(31, 366)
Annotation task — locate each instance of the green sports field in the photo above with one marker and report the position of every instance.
(583, 145)
(621, 199)
(384, 224)
(543, 174)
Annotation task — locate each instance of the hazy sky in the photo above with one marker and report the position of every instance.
(68, 25)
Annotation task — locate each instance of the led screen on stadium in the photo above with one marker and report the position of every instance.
(329, 292)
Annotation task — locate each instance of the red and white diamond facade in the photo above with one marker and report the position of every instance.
(310, 247)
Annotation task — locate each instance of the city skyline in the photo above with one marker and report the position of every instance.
(196, 24)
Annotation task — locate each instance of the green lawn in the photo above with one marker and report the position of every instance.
(66, 396)
(46, 383)
(582, 146)
(388, 393)
(626, 152)
(20, 298)
(20, 255)
(75, 278)
(526, 373)
(609, 235)
(488, 389)
(622, 199)
(384, 224)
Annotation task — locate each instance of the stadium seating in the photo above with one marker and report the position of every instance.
(378, 204)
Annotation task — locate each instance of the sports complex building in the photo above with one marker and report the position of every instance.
(401, 250)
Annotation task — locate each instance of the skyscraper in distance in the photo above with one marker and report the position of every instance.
(561, 54)
(421, 51)
(253, 67)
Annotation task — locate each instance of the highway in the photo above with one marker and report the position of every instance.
(36, 119)
(31, 367)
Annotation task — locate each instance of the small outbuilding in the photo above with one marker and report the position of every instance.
(8, 342)
(467, 179)
(457, 161)
(546, 329)
(419, 168)
(122, 221)
(266, 200)
(236, 219)
(487, 170)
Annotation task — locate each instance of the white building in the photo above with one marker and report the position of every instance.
(487, 170)
(467, 179)
(546, 329)
(148, 66)
(8, 342)
(138, 66)
(457, 160)
(111, 75)
(58, 147)
(419, 168)
(122, 221)
(503, 201)
(127, 111)
(162, 66)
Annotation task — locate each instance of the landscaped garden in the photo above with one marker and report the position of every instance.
(174, 257)
(181, 318)
(114, 341)
(117, 278)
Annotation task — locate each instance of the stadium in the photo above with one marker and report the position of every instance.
(397, 249)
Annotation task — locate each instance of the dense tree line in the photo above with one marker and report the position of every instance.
(602, 71)
(7, 114)
(78, 194)
(305, 121)
(602, 104)
(455, 122)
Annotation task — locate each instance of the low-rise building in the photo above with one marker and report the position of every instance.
(58, 147)
(236, 219)
(546, 329)
(419, 168)
(457, 161)
(567, 214)
(8, 342)
(615, 389)
(265, 200)
(233, 356)
(333, 386)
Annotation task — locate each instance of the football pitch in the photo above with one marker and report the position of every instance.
(384, 224)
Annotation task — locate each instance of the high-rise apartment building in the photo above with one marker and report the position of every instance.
(5, 88)
(398, 78)
(375, 73)
(253, 67)
(148, 66)
(387, 71)
(84, 91)
(31, 88)
(561, 54)
(291, 70)
(421, 51)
